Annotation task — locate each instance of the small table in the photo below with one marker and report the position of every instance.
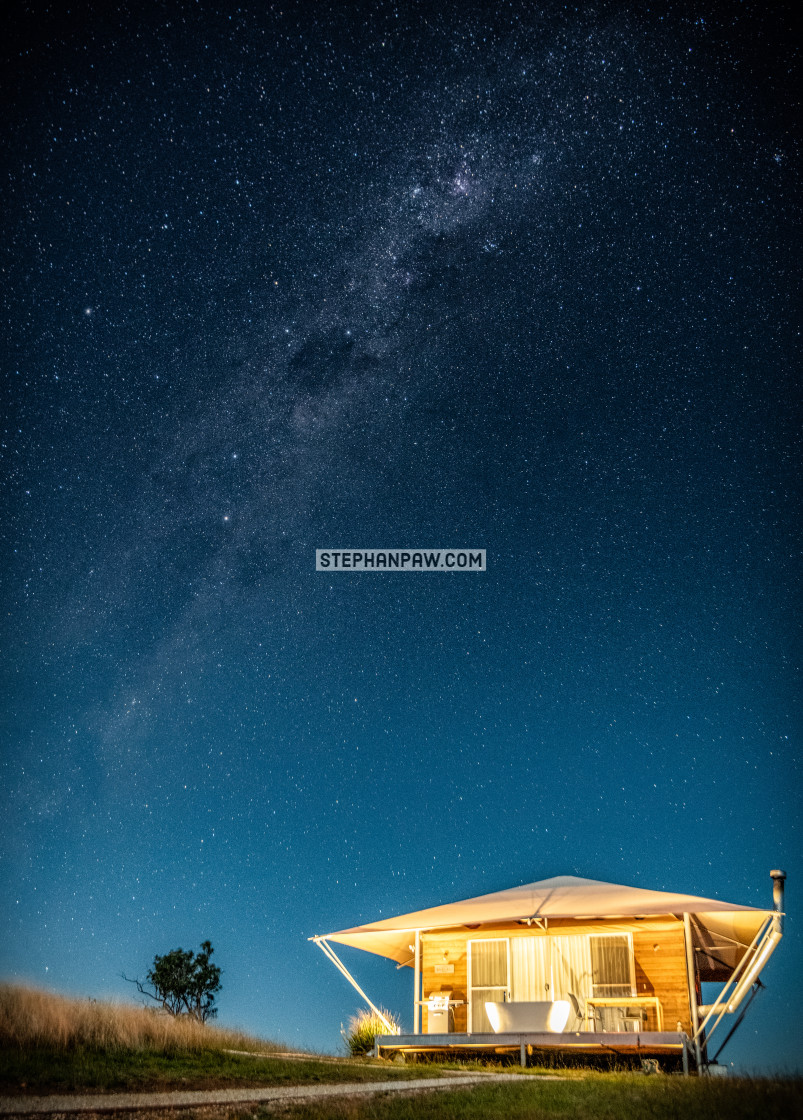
(629, 1001)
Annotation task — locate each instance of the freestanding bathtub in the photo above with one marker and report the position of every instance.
(525, 1015)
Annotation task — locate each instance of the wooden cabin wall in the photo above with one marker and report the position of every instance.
(661, 970)
(658, 948)
(454, 944)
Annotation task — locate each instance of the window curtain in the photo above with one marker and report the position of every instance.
(610, 966)
(489, 980)
(610, 970)
(480, 1023)
(571, 968)
(529, 959)
(489, 964)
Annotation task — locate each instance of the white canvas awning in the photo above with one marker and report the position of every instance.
(564, 896)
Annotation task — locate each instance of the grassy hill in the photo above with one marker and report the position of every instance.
(49, 1043)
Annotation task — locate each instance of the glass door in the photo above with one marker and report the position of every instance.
(488, 980)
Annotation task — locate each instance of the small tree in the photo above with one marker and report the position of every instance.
(183, 982)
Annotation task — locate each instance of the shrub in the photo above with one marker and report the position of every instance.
(363, 1029)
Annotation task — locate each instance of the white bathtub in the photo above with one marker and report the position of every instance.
(541, 1015)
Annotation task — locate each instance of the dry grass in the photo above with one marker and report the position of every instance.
(50, 1044)
(33, 1019)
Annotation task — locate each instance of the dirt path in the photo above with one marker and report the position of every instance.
(203, 1098)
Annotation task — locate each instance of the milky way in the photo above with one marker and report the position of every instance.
(392, 276)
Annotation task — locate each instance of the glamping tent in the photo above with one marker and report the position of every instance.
(625, 965)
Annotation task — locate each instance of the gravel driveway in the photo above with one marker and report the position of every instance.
(200, 1098)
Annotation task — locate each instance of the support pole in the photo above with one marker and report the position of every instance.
(756, 989)
(691, 972)
(329, 952)
(417, 985)
(742, 977)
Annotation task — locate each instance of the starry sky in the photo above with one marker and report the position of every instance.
(279, 277)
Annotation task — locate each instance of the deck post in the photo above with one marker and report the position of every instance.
(691, 973)
(523, 1054)
(685, 1056)
(417, 984)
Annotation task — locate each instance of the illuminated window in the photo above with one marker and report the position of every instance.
(611, 965)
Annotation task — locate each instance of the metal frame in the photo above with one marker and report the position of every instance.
(691, 976)
(756, 989)
(741, 980)
(331, 955)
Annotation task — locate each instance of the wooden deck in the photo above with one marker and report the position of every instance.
(644, 1044)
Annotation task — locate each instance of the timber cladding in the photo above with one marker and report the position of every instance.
(445, 949)
(661, 970)
(658, 949)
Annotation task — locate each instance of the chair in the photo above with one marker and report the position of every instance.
(608, 1019)
(579, 1015)
(635, 1019)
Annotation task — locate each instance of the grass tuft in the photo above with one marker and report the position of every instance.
(363, 1029)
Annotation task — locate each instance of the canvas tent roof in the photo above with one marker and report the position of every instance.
(564, 896)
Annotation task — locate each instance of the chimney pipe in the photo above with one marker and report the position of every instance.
(778, 880)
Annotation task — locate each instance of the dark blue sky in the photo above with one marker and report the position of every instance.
(506, 276)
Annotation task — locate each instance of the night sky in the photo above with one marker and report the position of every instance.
(279, 277)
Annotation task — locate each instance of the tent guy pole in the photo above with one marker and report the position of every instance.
(329, 952)
(743, 976)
